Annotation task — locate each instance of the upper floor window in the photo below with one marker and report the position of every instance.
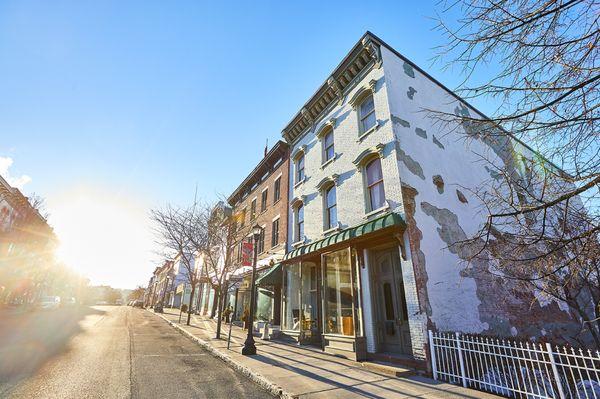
(374, 180)
(331, 220)
(263, 200)
(300, 168)
(253, 209)
(299, 223)
(328, 150)
(277, 190)
(366, 114)
(275, 233)
(242, 218)
(260, 245)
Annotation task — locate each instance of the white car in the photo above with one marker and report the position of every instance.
(49, 302)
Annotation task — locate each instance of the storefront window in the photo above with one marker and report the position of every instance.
(264, 304)
(291, 297)
(309, 298)
(338, 314)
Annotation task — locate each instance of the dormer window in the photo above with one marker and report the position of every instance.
(366, 114)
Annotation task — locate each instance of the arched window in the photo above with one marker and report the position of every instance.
(328, 150)
(374, 181)
(299, 223)
(331, 220)
(366, 114)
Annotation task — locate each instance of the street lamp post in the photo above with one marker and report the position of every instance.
(249, 347)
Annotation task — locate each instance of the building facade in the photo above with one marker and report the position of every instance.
(374, 206)
(27, 243)
(262, 199)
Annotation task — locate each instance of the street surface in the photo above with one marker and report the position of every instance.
(108, 352)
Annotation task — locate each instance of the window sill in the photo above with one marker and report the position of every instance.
(332, 230)
(299, 183)
(299, 243)
(276, 201)
(377, 211)
(368, 132)
(330, 160)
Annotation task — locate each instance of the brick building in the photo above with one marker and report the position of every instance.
(262, 199)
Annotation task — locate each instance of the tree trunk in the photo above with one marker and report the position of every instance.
(213, 309)
(221, 308)
(189, 310)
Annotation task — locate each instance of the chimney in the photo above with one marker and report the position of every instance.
(266, 147)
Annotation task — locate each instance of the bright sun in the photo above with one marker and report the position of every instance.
(102, 236)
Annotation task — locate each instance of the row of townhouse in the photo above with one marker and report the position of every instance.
(26, 245)
(360, 205)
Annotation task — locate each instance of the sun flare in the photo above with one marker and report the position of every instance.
(102, 236)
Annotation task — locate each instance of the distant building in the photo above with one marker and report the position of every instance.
(26, 243)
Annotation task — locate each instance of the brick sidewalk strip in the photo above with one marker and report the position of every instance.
(291, 371)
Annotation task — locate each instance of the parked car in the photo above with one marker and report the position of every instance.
(49, 302)
(138, 303)
(119, 302)
(101, 303)
(68, 302)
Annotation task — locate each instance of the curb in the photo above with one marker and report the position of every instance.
(257, 378)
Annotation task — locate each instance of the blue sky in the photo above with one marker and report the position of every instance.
(128, 105)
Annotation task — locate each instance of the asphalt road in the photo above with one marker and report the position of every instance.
(109, 352)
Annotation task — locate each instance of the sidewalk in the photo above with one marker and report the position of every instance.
(303, 372)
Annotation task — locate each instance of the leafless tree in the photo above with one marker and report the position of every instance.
(539, 62)
(179, 233)
(38, 203)
(223, 235)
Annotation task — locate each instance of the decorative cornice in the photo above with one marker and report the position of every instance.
(367, 154)
(373, 50)
(360, 60)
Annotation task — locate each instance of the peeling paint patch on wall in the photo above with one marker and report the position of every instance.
(438, 181)
(400, 121)
(413, 166)
(437, 142)
(411, 92)
(408, 69)
(421, 133)
(461, 197)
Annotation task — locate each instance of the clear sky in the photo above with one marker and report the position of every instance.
(109, 108)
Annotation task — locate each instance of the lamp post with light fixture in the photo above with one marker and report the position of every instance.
(249, 346)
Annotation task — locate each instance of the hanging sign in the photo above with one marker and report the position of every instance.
(247, 248)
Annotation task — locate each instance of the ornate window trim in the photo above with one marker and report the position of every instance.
(327, 182)
(363, 92)
(368, 154)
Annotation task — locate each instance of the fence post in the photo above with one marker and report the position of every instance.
(432, 351)
(460, 360)
(561, 394)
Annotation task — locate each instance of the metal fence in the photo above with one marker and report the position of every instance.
(515, 369)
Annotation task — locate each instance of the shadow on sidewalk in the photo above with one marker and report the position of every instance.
(28, 340)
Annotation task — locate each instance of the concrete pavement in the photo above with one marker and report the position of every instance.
(109, 352)
(305, 372)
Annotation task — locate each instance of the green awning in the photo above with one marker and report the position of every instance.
(271, 277)
(382, 222)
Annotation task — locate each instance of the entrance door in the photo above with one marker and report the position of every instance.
(392, 318)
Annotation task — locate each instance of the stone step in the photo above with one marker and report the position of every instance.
(388, 368)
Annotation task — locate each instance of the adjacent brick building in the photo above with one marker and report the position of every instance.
(262, 199)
